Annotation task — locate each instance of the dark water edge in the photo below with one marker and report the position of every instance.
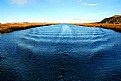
(61, 52)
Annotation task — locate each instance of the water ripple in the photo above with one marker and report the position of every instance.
(61, 52)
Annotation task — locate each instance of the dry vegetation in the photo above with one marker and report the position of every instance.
(116, 27)
(113, 22)
(10, 27)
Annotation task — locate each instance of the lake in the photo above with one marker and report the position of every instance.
(62, 52)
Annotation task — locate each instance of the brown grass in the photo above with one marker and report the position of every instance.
(10, 27)
(116, 27)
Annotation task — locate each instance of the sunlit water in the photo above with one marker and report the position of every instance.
(61, 52)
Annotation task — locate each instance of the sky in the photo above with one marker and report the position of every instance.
(64, 11)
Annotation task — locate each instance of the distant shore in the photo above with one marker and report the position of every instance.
(116, 27)
(10, 27)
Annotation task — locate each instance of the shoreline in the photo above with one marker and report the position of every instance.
(115, 27)
(11, 27)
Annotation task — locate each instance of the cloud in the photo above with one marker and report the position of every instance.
(20, 2)
(91, 4)
(24, 2)
(80, 0)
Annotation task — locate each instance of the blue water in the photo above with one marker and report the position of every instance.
(61, 52)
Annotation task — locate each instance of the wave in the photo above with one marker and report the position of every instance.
(61, 52)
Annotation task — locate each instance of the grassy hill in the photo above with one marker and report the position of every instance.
(113, 23)
(116, 19)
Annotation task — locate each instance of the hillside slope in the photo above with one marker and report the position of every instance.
(116, 19)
